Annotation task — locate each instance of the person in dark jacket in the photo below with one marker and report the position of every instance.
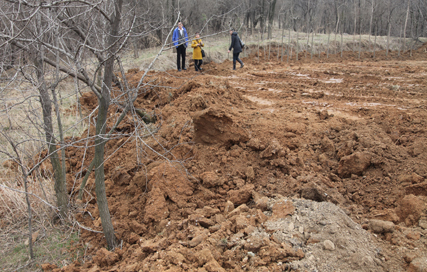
(237, 48)
(180, 40)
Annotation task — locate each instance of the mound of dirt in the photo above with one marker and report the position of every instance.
(312, 165)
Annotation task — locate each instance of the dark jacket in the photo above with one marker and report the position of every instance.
(235, 43)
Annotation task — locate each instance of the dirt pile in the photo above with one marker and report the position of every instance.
(221, 184)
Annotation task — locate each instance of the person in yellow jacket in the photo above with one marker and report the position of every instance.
(197, 45)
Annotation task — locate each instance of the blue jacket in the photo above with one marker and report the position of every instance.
(175, 37)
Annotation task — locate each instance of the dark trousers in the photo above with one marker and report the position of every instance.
(180, 55)
(198, 64)
(236, 57)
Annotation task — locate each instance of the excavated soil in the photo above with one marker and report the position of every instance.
(315, 165)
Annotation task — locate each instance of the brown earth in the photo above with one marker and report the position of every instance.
(221, 184)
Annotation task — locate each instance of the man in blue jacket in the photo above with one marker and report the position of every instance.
(180, 40)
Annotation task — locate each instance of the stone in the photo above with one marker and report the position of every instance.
(262, 203)
(328, 245)
(219, 218)
(242, 195)
(137, 227)
(197, 240)
(229, 206)
(174, 257)
(121, 177)
(419, 189)
(209, 211)
(380, 226)
(241, 222)
(405, 178)
(282, 208)
(385, 215)
(133, 238)
(206, 222)
(423, 223)
(151, 245)
(211, 179)
(409, 257)
(417, 148)
(171, 182)
(215, 126)
(250, 173)
(355, 163)
(418, 265)
(313, 193)
(239, 210)
(203, 256)
(273, 149)
(49, 267)
(103, 257)
(328, 147)
(409, 209)
(253, 243)
(254, 144)
(156, 207)
(213, 266)
(413, 235)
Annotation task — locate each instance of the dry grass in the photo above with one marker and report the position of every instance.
(53, 244)
(22, 123)
(216, 47)
(13, 205)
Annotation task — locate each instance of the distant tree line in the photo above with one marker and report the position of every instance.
(401, 18)
(154, 18)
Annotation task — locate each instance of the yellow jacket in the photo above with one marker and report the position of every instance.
(197, 50)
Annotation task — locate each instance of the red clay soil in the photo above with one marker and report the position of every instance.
(340, 130)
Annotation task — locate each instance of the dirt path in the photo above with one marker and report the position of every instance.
(319, 164)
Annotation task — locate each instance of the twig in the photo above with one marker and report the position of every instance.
(86, 228)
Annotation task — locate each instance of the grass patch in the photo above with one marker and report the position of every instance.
(55, 246)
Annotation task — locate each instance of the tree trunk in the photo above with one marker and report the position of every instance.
(312, 45)
(370, 21)
(388, 38)
(400, 41)
(406, 22)
(355, 23)
(272, 10)
(297, 49)
(101, 125)
(329, 36)
(360, 30)
(27, 199)
(46, 103)
(375, 40)
(308, 27)
(283, 33)
(289, 46)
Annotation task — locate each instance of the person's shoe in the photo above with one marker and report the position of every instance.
(184, 68)
(241, 65)
(179, 70)
(234, 66)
